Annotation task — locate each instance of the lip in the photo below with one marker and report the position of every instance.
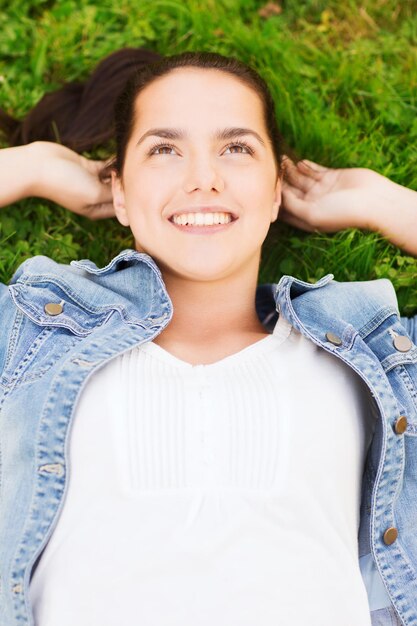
(203, 230)
(204, 209)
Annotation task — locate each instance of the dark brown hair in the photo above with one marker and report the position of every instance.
(85, 115)
(79, 114)
(125, 104)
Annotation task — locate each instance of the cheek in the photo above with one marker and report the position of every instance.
(257, 195)
(141, 201)
(258, 181)
(151, 187)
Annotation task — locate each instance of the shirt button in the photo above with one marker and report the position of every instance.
(53, 308)
(402, 343)
(17, 588)
(390, 535)
(334, 339)
(400, 425)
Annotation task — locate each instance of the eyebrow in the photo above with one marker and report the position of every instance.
(222, 135)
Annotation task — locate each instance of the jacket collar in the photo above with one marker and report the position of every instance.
(130, 285)
(329, 306)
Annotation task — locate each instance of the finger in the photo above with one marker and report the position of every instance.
(311, 169)
(292, 200)
(286, 187)
(315, 166)
(99, 170)
(94, 167)
(104, 195)
(292, 220)
(286, 161)
(105, 173)
(297, 178)
(99, 211)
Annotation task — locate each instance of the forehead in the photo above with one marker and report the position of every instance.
(199, 98)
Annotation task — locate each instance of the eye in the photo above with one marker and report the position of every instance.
(161, 148)
(242, 148)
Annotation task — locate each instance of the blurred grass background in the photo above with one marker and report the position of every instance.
(344, 77)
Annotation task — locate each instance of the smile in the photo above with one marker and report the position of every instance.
(202, 219)
(202, 223)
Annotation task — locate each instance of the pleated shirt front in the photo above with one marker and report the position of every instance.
(223, 494)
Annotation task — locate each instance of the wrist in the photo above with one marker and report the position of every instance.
(22, 172)
(384, 202)
(38, 156)
(395, 216)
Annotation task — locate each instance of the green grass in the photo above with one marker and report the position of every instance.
(344, 76)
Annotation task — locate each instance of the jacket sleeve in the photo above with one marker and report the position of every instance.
(410, 324)
(7, 312)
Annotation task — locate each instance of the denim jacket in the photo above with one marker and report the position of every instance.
(47, 354)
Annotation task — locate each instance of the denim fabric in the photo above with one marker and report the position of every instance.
(45, 361)
(385, 617)
(378, 597)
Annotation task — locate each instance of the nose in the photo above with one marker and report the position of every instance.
(203, 174)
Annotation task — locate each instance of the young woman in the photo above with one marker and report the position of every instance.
(178, 445)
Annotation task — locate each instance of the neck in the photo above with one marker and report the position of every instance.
(211, 311)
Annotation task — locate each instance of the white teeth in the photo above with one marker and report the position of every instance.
(202, 219)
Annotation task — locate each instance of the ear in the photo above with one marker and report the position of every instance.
(277, 201)
(119, 199)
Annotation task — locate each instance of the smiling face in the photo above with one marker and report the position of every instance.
(199, 145)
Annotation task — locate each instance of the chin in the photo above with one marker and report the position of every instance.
(193, 272)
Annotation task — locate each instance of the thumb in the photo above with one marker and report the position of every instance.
(100, 211)
(94, 167)
(292, 201)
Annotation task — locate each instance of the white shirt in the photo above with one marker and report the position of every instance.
(224, 494)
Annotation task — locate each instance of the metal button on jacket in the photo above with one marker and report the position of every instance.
(400, 425)
(402, 343)
(390, 535)
(334, 339)
(53, 308)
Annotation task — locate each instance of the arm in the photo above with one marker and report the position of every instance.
(51, 171)
(326, 199)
